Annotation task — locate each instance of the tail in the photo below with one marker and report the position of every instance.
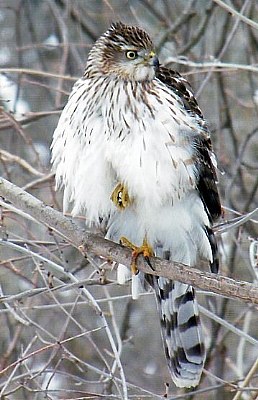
(181, 330)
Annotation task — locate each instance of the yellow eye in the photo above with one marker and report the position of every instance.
(131, 54)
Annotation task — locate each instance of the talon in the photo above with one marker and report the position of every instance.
(120, 197)
(145, 249)
(147, 259)
(134, 268)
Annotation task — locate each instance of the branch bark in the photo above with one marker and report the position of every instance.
(88, 242)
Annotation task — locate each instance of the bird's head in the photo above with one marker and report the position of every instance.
(124, 51)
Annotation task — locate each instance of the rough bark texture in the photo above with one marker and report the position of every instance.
(88, 242)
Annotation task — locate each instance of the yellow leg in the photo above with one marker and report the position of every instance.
(120, 197)
(145, 249)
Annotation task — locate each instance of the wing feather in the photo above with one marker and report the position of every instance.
(207, 178)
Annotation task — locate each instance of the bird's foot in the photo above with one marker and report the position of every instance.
(145, 249)
(120, 197)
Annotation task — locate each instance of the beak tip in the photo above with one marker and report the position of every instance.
(155, 62)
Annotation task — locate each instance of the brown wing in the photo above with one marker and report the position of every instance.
(207, 178)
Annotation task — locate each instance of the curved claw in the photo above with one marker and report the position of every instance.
(120, 197)
(147, 259)
(145, 249)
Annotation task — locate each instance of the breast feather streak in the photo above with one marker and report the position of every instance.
(136, 150)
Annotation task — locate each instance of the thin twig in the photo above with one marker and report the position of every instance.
(29, 71)
(247, 379)
(237, 14)
(6, 156)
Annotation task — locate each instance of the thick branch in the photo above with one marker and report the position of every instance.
(92, 243)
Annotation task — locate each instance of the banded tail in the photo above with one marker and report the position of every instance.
(181, 330)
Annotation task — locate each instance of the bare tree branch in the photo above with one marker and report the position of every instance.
(88, 242)
(237, 14)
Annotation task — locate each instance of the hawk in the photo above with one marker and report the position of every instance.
(132, 149)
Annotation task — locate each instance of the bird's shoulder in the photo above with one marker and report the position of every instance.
(180, 86)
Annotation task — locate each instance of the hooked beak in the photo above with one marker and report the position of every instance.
(152, 59)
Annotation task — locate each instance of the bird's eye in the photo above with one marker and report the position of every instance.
(131, 55)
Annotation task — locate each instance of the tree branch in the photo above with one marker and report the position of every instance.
(88, 242)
